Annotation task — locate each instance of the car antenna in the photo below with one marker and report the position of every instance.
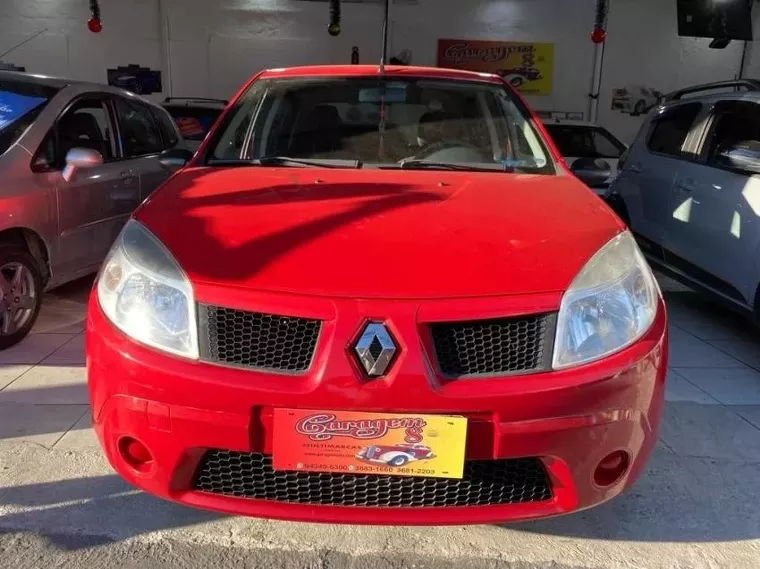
(384, 54)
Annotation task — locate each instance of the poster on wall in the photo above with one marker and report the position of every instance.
(528, 66)
(4, 66)
(140, 80)
(635, 100)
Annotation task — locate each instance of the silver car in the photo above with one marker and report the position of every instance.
(75, 160)
(689, 187)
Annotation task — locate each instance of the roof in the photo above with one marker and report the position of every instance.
(565, 122)
(372, 70)
(55, 82)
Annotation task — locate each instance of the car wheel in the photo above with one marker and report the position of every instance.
(640, 108)
(20, 294)
(516, 81)
(398, 460)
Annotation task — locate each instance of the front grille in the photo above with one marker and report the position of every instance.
(494, 347)
(485, 483)
(258, 341)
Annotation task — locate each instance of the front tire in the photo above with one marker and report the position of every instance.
(20, 294)
(400, 460)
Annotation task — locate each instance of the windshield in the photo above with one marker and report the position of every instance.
(388, 122)
(20, 103)
(193, 122)
(585, 141)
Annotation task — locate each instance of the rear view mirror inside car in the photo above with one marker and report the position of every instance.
(386, 94)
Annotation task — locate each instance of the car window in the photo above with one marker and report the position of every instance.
(585, 141)
(139, 132)
(382, 121)
(193, 122)
(168, 129)
(733, 122)
(20, 104)
(85, 124)
(669, 131)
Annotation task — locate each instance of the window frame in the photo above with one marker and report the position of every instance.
(711, 123)
(53, 130)
(157, 113)
(687, 151)
(153, 120)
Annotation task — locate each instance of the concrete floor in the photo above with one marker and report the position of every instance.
(696, 507)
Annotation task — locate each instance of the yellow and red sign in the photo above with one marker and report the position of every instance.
(527, 66)
(369, 443)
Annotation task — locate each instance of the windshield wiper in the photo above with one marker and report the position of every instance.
(290, 162)
(414, 163)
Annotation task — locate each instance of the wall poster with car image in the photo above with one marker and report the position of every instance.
(527, 66)
(635, 100)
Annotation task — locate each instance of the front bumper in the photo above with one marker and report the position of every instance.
(570, 419)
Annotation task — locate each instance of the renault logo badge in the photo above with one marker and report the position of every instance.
(375, 349)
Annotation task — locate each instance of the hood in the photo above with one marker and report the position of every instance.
(379, 233)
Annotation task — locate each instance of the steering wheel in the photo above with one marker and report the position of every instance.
(433, 148)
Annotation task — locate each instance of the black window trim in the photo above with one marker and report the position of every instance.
(154, 111)
(110, 115)
(153, 120)
(688, 148)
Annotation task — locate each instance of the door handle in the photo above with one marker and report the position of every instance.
(635, 167)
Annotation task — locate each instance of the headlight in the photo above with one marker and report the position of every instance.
(610, 304)
(145, 293)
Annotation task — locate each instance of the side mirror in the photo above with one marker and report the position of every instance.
(591, 171)
(174, 158)
(744, 156)
(80, 158)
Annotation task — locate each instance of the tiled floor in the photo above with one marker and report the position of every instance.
(714, 361)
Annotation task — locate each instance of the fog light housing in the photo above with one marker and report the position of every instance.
(135, 454)
(611, 468)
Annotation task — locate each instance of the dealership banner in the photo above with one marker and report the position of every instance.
(527, 66)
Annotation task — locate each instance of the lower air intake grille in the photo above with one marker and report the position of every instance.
(258, 341)
(494, 347)
(485, 483)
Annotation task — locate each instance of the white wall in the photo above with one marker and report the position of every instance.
(215, 46)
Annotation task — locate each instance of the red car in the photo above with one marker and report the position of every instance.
(318, 252)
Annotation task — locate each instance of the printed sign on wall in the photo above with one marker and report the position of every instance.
(140, 80)
(528, 66)
(635, 100)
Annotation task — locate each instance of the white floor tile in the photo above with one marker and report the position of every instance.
(677, 388)
(41, 424)
(747, 352)
(688, 351)
(70, 354)
(10, 372)
(729, 386)
(34, 348)
(81, 436)
(47, 384)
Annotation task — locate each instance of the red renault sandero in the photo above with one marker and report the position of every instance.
(361, 257)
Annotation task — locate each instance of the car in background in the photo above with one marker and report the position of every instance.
(395, 455)
(689, 188)
(519, 75)
(194, 117)
(635, 100)
(76, 159)
(435, 257)
(578, 140)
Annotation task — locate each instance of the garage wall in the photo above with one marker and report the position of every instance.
(214, 46)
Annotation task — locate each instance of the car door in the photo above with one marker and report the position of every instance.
(141, 143)
(89, 203)
(645, 180)
(715, 228)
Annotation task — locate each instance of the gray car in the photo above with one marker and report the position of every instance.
(689, 187)
(75, 160)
